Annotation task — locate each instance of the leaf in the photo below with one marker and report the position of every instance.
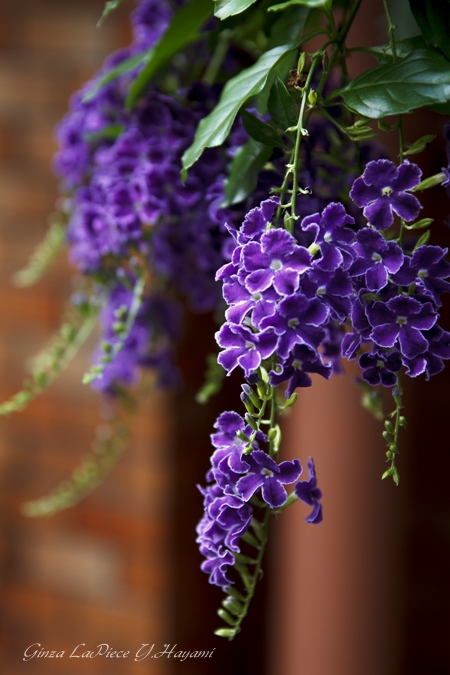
(441, 108)
(433, 19)
(246, 165)
(215, 127)
(110, 6)
(225, 8)
(260, 131)
(282, 107)
(289, 26)
(308, 3)
(124, 67)
(403, 47)
(420, 79)
(182, 30)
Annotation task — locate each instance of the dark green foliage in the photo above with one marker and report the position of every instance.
(260, 131)
(433, 19)
(422, 78)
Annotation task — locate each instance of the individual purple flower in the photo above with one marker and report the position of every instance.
(401, 318)
(331, 236)
(302, 361)
(298, 320)
(432, 361)
(308, 492)
(376, 258)
(244, 348)
(380, 367)
(383, 190)
(266, 474)
(428, 268)
(242, 302)
(334, 288)
(277, 261)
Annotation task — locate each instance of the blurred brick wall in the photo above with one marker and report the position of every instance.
(99, 572)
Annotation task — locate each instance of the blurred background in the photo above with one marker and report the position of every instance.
(367, 592)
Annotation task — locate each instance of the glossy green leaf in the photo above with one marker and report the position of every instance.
(215, 127)
(225, 8)
(433, 19)
(282, 107)
(260, 131)
(124, 67)
(110, 6)
(245, 168)
(309, 3)
(183, 29)
(420, 79)
(403, 47)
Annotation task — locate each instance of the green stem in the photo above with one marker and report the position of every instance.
(294, 166)
(255, 575)
(391, 29)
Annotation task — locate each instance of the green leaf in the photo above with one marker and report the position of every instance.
(215, 127)
(124, 67)
(289, 25)
(260, 131)
(282, 107)
(110, 6)
(308, 3)
(441, 108)
(243, 179)
(226, 8)
(403, 47)
(183, 29)
(433, 19)
(420, 79)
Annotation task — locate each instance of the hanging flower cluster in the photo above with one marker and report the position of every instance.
(286, 219)
(287, 303)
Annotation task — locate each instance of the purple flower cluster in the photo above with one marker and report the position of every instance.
(234, 479)
(289, 304)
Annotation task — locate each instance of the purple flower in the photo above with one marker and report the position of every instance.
(308, 492)
(376, 258)
(298, 321)
(242, 301)
(332, 236)
(277, 260)
(302, 360)
(265, 473)
(428, 268)
(380, 367)
(244, 348)
(382, 191)
(334, 289)
(432, 361)
(401, 318)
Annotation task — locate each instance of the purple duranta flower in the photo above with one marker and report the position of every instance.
(383, 190)
(308, 492)
(265, 473)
